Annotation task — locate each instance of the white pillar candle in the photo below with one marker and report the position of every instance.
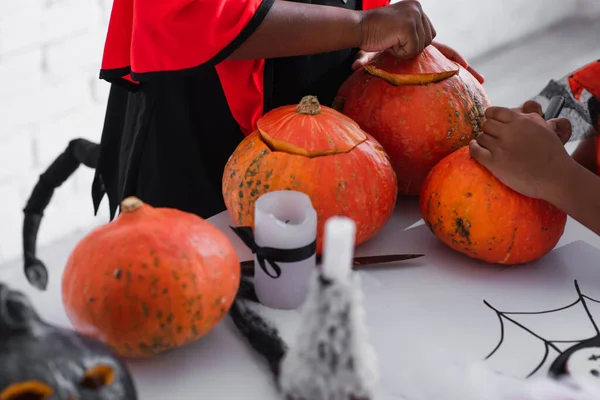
(340, 233)
(284, 220)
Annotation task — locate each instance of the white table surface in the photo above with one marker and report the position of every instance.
(434, 303)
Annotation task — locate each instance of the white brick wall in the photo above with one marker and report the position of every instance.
(49, 92)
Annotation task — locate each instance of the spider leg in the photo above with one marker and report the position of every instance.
(583, 298)
(501, 340)
(546, 352)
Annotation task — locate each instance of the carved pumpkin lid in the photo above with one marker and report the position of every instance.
(428, 67)
(309, 129)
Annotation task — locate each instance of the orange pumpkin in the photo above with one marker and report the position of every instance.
(318, 151)
(471, 211)
(420, 110)
(152, 280)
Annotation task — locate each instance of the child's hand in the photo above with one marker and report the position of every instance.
(363, 58)
(402, 27)
(453, 55)
(530, 107)
(561, 126)
(523, 151)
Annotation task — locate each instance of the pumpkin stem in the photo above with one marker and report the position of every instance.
(309, 105)
(130, 204)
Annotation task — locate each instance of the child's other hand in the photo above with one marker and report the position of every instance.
(453, 55)
(403, 28)
(530, 107)
(561, 126)
(523, 151)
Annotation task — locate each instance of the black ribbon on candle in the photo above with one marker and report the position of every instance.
(272, 255)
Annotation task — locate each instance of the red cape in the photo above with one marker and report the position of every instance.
(149, 37)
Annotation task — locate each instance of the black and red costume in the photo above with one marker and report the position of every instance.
(178, 108)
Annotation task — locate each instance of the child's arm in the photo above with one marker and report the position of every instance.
(585, 153)
(577, 192)
(164, 36)
(528, 155)
(291, 29)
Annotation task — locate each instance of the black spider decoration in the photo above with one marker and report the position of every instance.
(582, 360)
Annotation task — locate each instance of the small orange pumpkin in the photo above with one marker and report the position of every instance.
(474, 213)
(318, 151)
(420, 110)
(152, 280)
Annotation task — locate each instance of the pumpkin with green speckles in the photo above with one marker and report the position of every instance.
(474, 213)
(150, 281)
(318, 151)
(420, 110)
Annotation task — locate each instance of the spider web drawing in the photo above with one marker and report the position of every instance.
(505, 317)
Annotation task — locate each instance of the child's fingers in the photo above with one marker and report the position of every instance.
(487, 141)
(501, 114)
(362, 58)
(493, 127)
(431, 27)
(562, 127)
(421, 36)
(427, 29)
(451, 54)
(476, 74)
(483, 155)
(532, 107)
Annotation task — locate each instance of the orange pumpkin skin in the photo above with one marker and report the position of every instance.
(474, 213)
(359, 184)
(417, 124)
(152, 280)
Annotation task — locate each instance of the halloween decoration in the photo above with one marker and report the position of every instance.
(79, 151)
(580, 362)
(420, 110)
(318, 151)
(152, 280)
(474, 213)
(331, 358)
(43, 362)
(476, 381)
(284, 244)
(261, 334)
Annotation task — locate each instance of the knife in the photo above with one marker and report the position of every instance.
(554, 107)
(359, 262)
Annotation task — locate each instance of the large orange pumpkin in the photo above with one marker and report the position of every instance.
(420, 110)
(318, 151)
(152, 280)
(471, 211)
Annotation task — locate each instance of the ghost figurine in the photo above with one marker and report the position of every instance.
(39, 361)
(583, 368)
(331, 358)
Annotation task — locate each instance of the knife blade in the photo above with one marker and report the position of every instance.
(359, 262)
(554, 107)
